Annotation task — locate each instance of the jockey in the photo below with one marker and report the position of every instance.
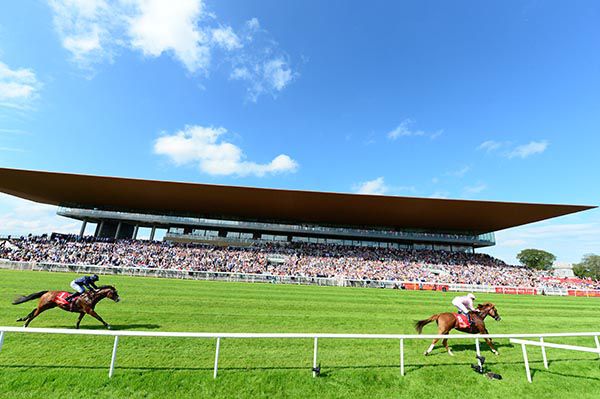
(465, 304)
(81, 283)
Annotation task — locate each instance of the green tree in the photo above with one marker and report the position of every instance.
(588, 267)
(536, 259)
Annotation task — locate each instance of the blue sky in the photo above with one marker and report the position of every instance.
(494, 101)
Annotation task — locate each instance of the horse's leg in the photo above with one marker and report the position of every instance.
(95, 315)
(28, 316)
(428, 351)
(490, 343)
(81, 314)
(445, 342)
(40, 309)
(441, 328)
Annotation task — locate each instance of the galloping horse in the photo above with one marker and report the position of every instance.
(447, 321)
(83, 304)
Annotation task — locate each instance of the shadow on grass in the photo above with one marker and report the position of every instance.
(326, 371)
(113, 326)
(440, 350)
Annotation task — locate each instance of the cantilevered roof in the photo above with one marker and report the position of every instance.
(283, 206)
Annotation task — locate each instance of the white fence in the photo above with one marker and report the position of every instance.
(545, 345)
(398, 337)
(269, 278)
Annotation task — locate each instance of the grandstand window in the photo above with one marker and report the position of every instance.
(441, 247)
(233, 234)
(176, 230)
(422, 246)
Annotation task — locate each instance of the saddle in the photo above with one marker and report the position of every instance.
(463, 320)
(61, 298)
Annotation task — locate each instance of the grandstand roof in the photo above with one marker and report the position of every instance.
(273, 205)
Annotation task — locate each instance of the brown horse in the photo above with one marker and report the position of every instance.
(447, 321)
(83, 304)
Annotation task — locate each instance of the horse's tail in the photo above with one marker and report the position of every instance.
(422, 323)
(29, 297)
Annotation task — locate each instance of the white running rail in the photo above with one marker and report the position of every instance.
(542, 344)
(315, 336)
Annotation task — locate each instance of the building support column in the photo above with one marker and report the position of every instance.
(99, 228)
(83, 226)
(152, 233)
(135, 231)
(118, 231)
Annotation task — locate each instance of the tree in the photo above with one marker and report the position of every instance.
(536, 259)
(588, 267)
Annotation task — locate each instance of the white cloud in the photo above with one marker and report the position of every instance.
(162, 26)
(375, 187)
(459, 172)
(268, 76)
(277, 74)
(490, 145)
(475, 189)
(253, 24)
(440, 194)
(512, 243)
(21, 217)
(18, 87)
(225, 37)
(404, 130)
(520, 151)
(568, 241)
(87, 28)
(94, 31)
(525, 150)
(205, 147)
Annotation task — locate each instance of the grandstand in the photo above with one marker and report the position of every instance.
(226, 215)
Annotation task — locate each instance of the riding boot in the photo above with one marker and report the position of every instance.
(73, 296)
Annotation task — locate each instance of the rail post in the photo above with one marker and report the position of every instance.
(526, 361)
(544, 352)
(401, 356)
(2, 339)
(595, 339)
(477, 347)
(316, 349)
(217, 357)
(114, 357)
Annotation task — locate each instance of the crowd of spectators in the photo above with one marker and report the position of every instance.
(291, 259)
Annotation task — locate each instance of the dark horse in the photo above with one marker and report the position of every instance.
(83, 304)
(447, 321)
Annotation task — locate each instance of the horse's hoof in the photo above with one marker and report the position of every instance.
(496, 353)
(450, 353)
(108, 327)
(426, 353)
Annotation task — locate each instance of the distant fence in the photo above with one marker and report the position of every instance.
(302, 280)
(315, 337)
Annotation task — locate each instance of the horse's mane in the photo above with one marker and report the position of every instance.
(485, 305)
(106, 286)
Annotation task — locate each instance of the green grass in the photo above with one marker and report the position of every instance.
(53, 366)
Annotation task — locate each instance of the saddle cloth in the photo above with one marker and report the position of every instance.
(463, 320)
(61, 298)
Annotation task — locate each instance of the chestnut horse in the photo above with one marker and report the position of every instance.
(83, 304)
(447, 321)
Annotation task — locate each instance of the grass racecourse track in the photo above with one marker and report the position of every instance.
(61, 366)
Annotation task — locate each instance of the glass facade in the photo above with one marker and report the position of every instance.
(203, 228)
